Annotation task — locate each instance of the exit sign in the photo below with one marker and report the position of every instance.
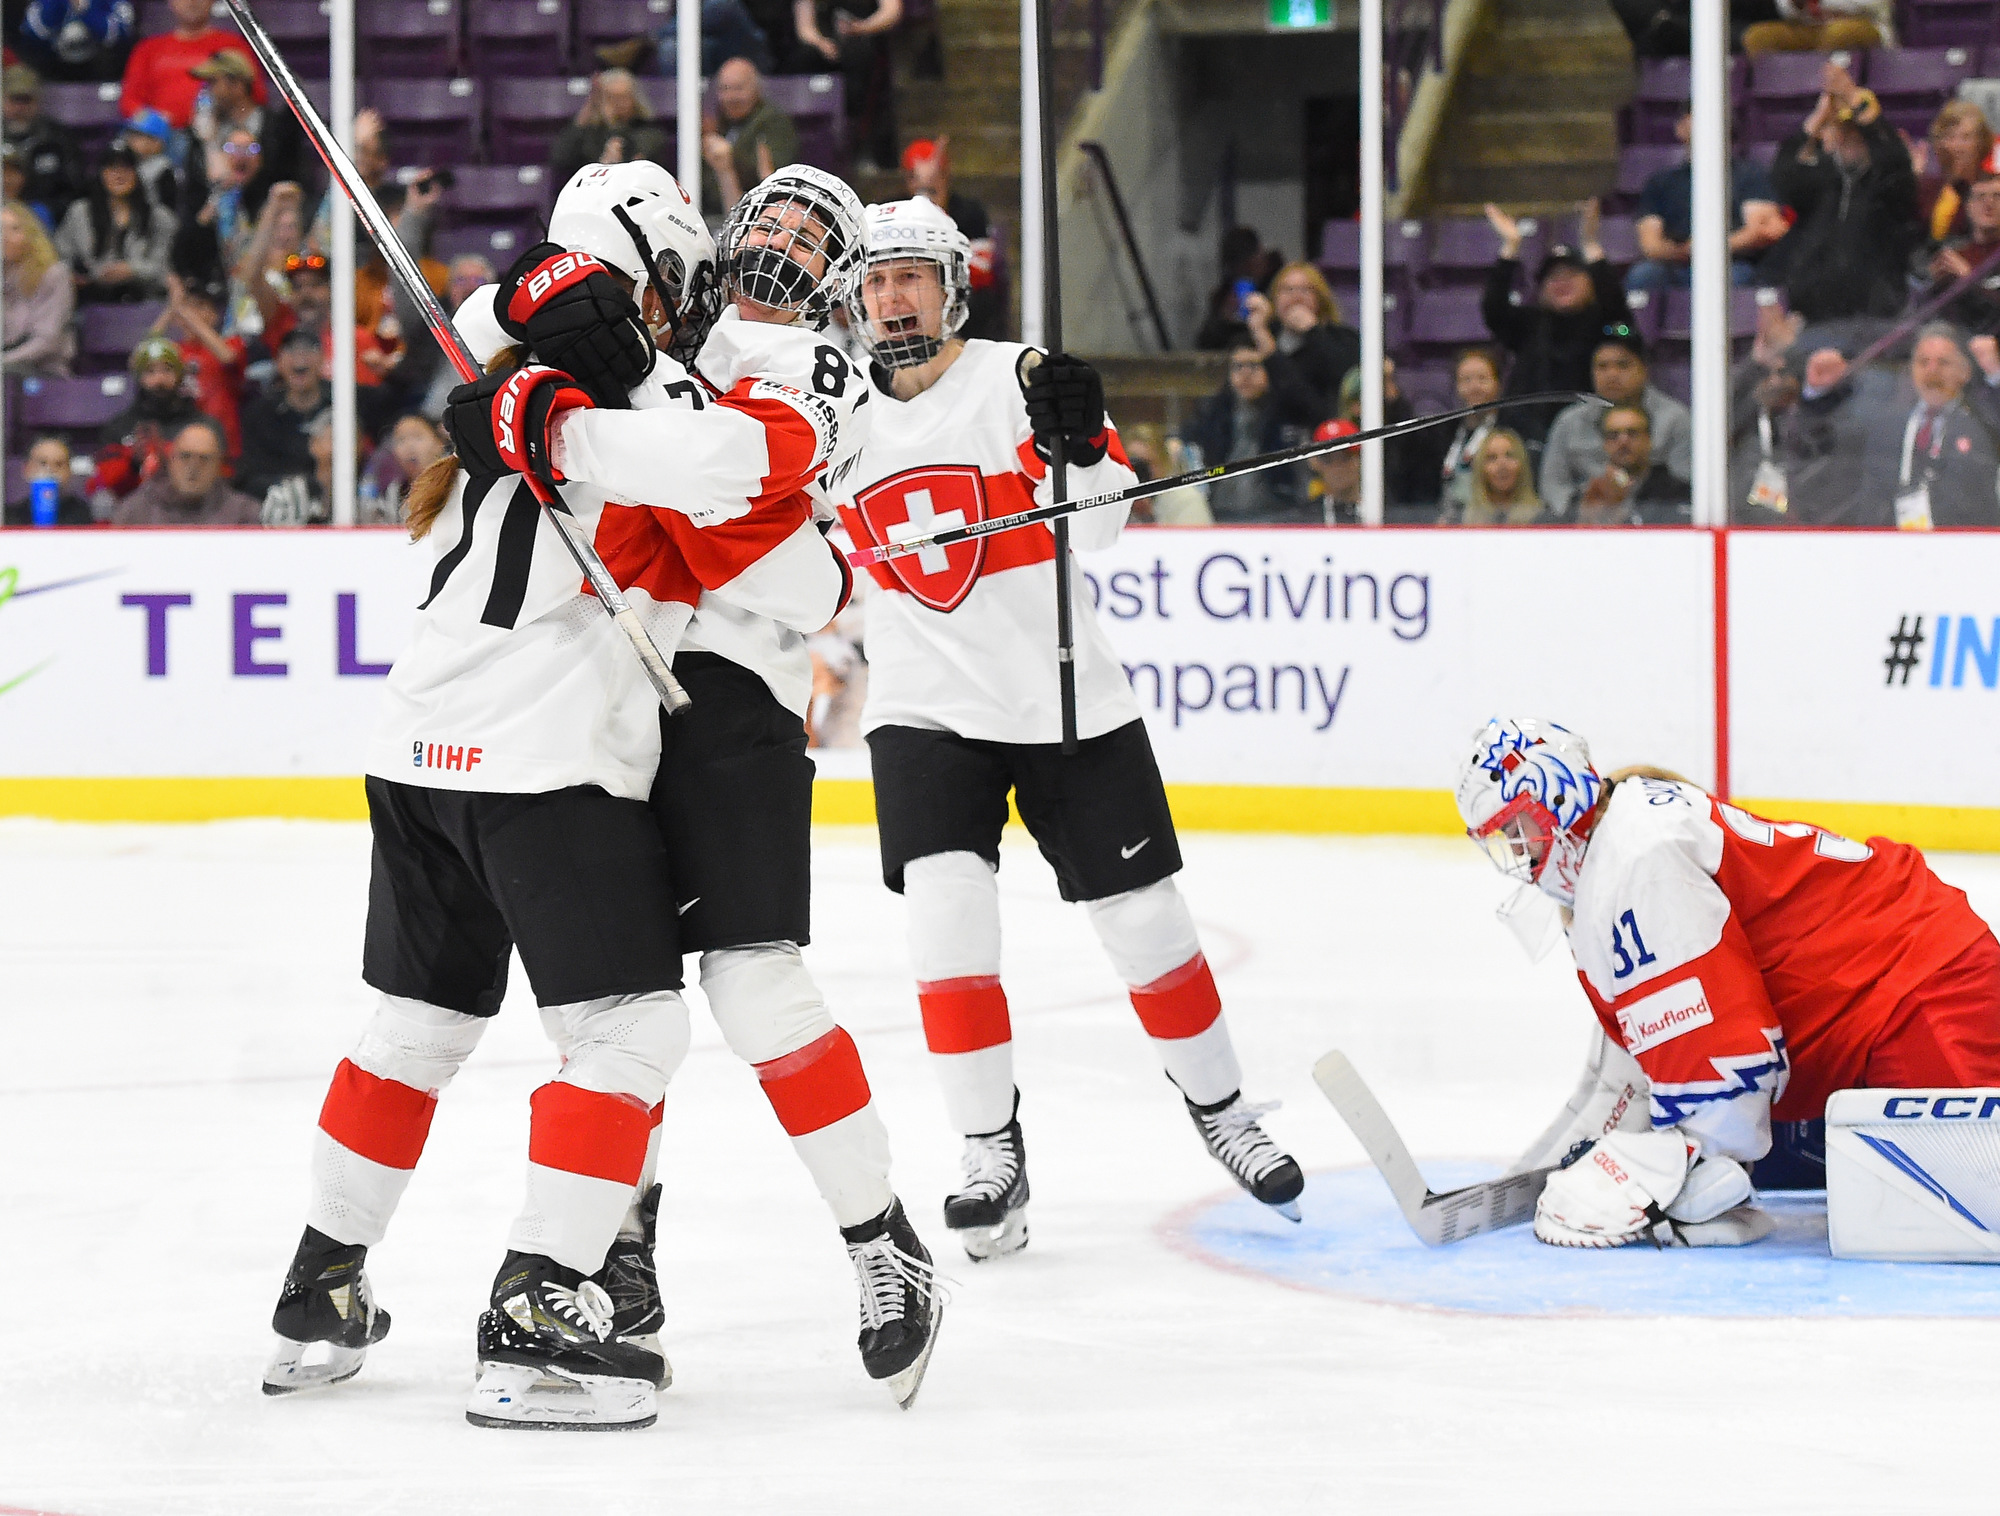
(1301, 13)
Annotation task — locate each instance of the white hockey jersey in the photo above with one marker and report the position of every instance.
(516, 681)
(964, 640)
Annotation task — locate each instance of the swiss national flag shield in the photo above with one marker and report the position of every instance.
(936, 499)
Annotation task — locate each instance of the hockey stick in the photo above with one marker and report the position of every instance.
(862, 557)
(404, 267)
(1436, 1219)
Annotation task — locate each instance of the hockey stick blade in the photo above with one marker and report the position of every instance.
(1436, 1219)
(863, 557)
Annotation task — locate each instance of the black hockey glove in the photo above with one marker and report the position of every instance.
(574, 317)
(502, 424)
(1065, 396)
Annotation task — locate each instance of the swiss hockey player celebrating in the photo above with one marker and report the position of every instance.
(1751, 967)
(962, 707)
(767, 409)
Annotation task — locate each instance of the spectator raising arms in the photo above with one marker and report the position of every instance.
(1958, 151)
(1256, 411)
(43, 150)
(39, 295)
(115, 238)
(190, 490)
(613, 125)
(1500, 483)
(1665, 226)
(161, 75)
(1577, 295)
(1574, 453)
(1309, 333)
(48, 458)
(229, 106)
(132, 446)
(1847, 175)
(215, 363)
(746, 141)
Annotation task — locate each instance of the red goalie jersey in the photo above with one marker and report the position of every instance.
(1754, 967)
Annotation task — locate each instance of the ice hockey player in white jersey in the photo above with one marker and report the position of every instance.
(773, 407)
(507, 789)
(962, 708)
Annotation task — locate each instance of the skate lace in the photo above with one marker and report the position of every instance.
(884, 1269)
(587, 1306)
(1238, 1140)
(990, 1166)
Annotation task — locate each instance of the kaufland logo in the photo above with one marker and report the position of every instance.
(1664, 1015)
(1944, 652)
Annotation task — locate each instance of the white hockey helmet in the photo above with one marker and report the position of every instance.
(794, 243)
(904, 231)
(1528, 796)
(636, 218)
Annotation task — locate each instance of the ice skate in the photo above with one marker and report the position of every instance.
(1240, 1145)
(901, 1303)
(326, 1318)
(989, 1211)
(632, 1280)
(549, 1359)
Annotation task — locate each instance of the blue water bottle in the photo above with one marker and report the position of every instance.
(43, 495)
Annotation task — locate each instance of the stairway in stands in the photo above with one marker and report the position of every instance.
(1532, 122)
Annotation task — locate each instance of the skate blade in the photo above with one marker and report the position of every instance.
(289, 1371)
(904, 1386)
(984, 1242)
(1289, 1209)
(518, 1397)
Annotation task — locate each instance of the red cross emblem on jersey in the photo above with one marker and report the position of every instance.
(935, 499)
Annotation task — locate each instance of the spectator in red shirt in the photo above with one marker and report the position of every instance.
(215, 363)
(160, 74)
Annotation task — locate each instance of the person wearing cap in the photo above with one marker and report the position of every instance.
(215, 363)
(927, 172)
(148, 135)
(1336, 486)
(78, 41)
(228, 108)
(1574, 452)
(1665, 225)
(50, 161)
(132, 446)
(1577, 295)
(160, 72)
(1848, 177)
(115, 239)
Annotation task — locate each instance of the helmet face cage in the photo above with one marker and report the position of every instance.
(1526, 793)
(1518, 837)
(793, 244)
(908, 345)
(693, 304)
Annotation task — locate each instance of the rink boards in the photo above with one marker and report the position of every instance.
(1292, 679)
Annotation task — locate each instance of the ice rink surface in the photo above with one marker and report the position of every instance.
(175, 998)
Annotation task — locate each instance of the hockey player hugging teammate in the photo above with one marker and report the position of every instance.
(962, 708)
(1751, 967)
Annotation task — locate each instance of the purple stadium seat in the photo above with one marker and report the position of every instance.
(1348, 298)
(1912, 82)
(1621, 241)
(817, 105)
(90, 111)
(1447, 318)
(1428, 386)
(523, 38)
(501, 195)
(1677, 315)
(409, 39)
(599, 21)
(1339, 247)
(300, 28)
(1404, 246)
(1949, 23)
(1784, 86)
(1638, 164)
(108, 333)
(429, 120)
(500, 244)
(1463, 249)
(76, 408)
(527, 115)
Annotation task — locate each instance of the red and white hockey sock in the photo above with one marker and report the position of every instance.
(377, 1115)
(954, 905)
(591, 1129)
(773, 1017)
(1151, 940)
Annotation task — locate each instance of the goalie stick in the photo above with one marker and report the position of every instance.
(404, 267)
(1436, 1219)
(862, 557)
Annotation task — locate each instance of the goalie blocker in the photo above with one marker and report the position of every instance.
(1911, 1175)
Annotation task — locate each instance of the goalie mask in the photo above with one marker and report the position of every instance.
(900, 314)
(636, 218)
(793, 243)
(1528, 797)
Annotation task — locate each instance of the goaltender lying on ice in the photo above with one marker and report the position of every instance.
(1743, 972)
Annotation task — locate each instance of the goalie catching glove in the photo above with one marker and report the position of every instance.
(1065, 398)
(505, 423)
(574, 316)
(1647, 1187)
